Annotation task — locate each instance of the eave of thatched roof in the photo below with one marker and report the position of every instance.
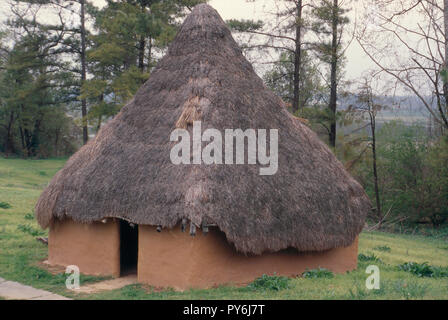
(311, 203)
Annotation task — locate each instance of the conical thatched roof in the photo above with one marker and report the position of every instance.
(311, 203)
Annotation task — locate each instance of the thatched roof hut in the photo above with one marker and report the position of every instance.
(310, 204)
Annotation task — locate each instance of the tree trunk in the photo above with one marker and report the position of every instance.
(56, 142)
(9, 145)
(141, 53)
(35, 138)
(297, 58)
(85, 133)
(333, 76)
(27, 136)
(375, 172)
(142, 44)
(149, 52)
(445, 85)
(100, 117)
(22, 138)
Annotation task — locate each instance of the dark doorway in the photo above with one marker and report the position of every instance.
(128, 248)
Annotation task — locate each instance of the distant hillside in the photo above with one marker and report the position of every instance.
(408, 109)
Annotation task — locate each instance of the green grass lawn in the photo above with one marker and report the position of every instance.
(21, 182)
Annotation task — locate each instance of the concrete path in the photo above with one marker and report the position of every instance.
(16, 291)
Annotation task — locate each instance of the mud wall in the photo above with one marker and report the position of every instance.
(94, 248)
(175, 259)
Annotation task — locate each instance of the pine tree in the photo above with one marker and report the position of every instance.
(329, 22)
(129, 36)
(33, 83)
(286, 36)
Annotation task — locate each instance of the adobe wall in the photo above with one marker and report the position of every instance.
(175, 259)
(94, 248)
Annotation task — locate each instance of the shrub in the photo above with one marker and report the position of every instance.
(5, 205)
(360, 292)
(270, 283)
(318, 273)
(411, 290)
(383, 248)
(357, 292)
(412, 174)
(25, 228)
(29, 216)
(368, 257)
(424, 270)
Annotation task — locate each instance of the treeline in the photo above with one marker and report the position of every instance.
(66, 66)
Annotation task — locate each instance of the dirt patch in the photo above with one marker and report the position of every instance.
(53, 269)
(108, 284)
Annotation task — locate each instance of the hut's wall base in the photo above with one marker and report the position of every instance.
(94, 248)
(175, 259)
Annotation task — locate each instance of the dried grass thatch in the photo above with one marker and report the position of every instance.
(311, 204)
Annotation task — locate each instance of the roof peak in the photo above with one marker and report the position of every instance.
(204, 14)
(204, 30)
(203, 8)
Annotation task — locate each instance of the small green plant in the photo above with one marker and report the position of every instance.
(383, 248)
(424, 270)
(42, 173)
(368, 257)
(29, 216)
(5, 205)
(410, 290)
(360, 292)
(25, 228)
(357, 292)
(318, 273)
(381, 291)
(274, 282)
(329, 295)
(131, 291)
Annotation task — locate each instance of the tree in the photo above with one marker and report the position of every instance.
(329, 22)
(407, 40)
(82, 53)
(33, 83)
(79, 47)
(74, 42)
(280, 79)
(367, 107)
(285, 36)
(128, 35)
(114, 60)
(156, 21)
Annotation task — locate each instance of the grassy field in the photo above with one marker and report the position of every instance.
(21, 182)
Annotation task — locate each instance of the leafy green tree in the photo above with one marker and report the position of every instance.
(72, 24)
(33, 82)
(280, 79)
(129, 34)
